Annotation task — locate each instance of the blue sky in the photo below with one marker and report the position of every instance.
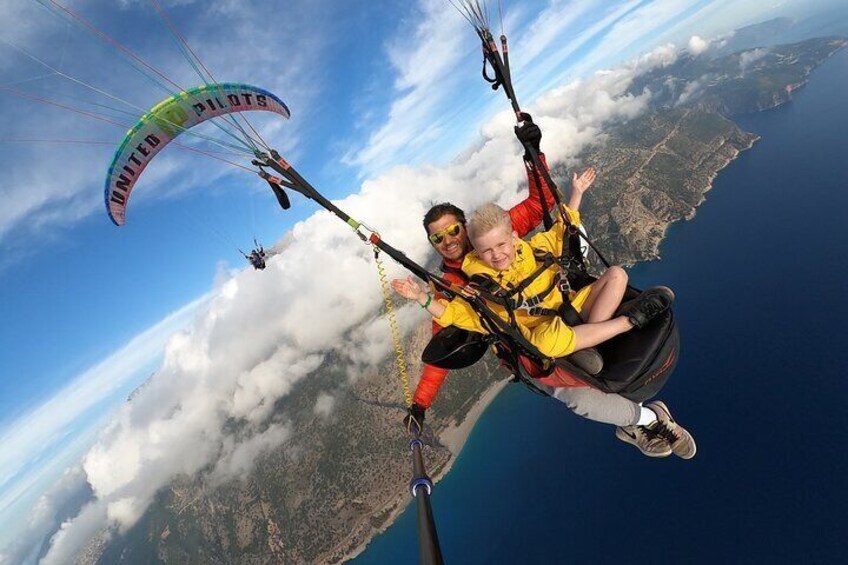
(384, 96)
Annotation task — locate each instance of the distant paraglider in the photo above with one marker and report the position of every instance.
(257, 256)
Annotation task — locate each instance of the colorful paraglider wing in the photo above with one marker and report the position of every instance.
(166, 121)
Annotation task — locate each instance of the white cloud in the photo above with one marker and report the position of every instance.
(46, 515)
(573, 116)
(43, 432)
(238, 458)
(697, 45)
(324, 405)
(74, 534)
(692, 89)
(748, 58)
(425, 82)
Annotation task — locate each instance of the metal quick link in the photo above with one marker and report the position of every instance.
(542, 312)
(562, 283)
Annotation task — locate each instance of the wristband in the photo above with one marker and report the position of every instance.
(427, 304)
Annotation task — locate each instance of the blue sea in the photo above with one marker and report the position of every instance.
(761, 277)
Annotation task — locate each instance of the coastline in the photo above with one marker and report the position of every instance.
(655, 253)
(453, 436)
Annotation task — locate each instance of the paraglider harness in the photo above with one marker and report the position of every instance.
(508, 343)
(635, 365)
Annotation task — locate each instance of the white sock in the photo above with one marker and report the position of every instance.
(646, 417)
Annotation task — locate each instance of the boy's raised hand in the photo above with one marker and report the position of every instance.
(583, 181)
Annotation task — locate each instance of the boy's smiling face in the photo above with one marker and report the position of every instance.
(496, 247)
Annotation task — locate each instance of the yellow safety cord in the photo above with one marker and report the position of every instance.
(400, 357)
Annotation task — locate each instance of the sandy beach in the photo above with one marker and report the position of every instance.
(454, 436)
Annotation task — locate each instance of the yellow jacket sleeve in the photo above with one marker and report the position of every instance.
(458, 313)
(551, 240)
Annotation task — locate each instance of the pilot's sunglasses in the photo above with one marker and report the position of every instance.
(452, 230)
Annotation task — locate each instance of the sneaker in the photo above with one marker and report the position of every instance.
(645, 440)
(588, 359)
(648, 305)
(682, 442)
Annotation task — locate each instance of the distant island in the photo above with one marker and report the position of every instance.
(323, 495)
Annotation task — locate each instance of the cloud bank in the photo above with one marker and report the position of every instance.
(30, 440)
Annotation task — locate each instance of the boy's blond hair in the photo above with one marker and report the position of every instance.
(486, 218)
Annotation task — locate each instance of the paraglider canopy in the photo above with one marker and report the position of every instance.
(166, 121)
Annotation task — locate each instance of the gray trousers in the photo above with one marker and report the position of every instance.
(599, 406)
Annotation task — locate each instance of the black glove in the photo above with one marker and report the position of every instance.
(529, 133)
(414, 420)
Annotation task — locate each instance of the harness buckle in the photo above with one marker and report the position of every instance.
(366, 233)
(562, 283)
(469, 291)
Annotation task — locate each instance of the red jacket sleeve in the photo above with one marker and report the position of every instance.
(527, 214)
(428, 387)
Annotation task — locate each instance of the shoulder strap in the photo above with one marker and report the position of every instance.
(445, 268)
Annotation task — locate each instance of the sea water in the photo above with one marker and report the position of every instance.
(761, 277)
